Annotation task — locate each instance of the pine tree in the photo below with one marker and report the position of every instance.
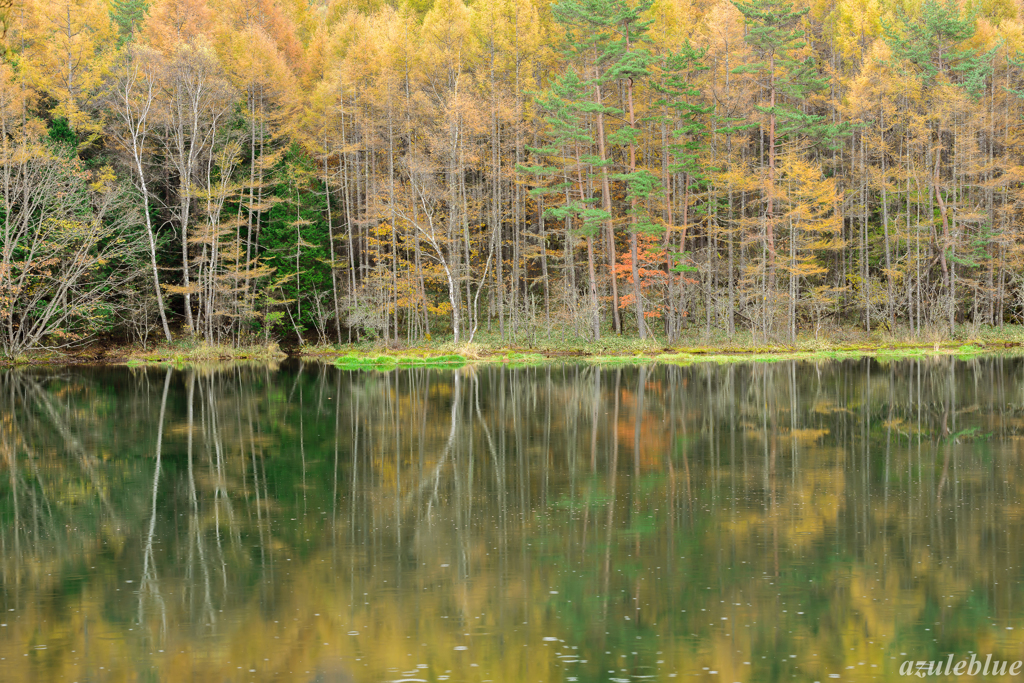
(294, 242)
(128, 16)
(587, 35)
(774, 34)
(570, 153)
(608, 36)
(930, 45)
(684, 116)
(633, 64)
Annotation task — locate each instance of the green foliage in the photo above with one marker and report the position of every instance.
(611, 34)
(604, 30)
(387, 363)
(294, 239)
(569, 153)
(684, 111)
(640, 186)
(682, 262)
(929, 45)
(128, 15)
(61, 134)
(775, 34)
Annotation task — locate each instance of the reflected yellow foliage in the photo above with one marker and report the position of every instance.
(508, 526)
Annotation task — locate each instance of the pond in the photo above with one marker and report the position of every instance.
(747, 522)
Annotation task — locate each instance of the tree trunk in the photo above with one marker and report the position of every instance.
(606, 204)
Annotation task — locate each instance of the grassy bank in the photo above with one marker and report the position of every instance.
(191, 352)
(630, 350)
(534, 350)
(178, 353)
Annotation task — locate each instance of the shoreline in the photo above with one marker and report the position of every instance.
(614, 351)
(678, 356)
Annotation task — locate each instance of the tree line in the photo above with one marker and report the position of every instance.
(242, 169)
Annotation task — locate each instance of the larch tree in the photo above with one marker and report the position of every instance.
(435, 167)
(774, 34)
(192, 120)
(789, 79)
(68, 47)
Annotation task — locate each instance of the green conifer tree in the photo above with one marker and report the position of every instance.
(685, 115)
(930, 44)
(774, 34)
(608, 37)
(128, 16)
(565, 180)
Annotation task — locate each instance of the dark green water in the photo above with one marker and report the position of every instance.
(761, 522)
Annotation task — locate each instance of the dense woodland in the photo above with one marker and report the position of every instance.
(239, 170)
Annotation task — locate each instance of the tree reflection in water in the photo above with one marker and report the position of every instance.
(761, 521)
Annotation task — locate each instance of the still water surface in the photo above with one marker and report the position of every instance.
(761, 522)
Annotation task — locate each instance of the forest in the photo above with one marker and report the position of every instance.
(247, 170)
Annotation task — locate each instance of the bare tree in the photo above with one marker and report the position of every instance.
(197, 99)
(66, 237)
(131, 94)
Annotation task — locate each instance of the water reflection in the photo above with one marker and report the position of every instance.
(753, 522)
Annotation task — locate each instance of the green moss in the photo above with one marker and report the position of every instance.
(386, 363)
(969, 351)
(900, 354)
(520, 360)
(355, 360)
